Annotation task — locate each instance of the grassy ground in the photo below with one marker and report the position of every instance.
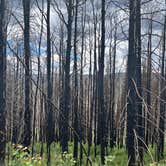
(117, 157)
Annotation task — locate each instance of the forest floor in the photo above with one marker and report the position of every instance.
(18, 156)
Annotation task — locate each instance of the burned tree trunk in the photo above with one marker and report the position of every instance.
(162, 99)
(66, 91)
(49, 113)
(28, 110)
(140, 128)
(131, 70)
(81, 102)
(112, 121)
(75, 87)
(148, 84)
(15, 105)
(101, 83)
(2, 81)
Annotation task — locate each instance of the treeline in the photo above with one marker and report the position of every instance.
(75, 90)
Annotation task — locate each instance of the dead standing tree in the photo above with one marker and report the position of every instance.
(28, 109)
(162, 97)
(2, 80)
(49, 112)
(101, 83)
(131, 68)
(66, 91)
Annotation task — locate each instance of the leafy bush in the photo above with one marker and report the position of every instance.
(67, 159)
(109, 160)
(21, 157)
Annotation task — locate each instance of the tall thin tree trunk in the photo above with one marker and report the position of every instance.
(162, 98)
(15, 106)
(101, 83)
(66, 92)
(139, 81)
(49, 113)
(28, 109)
(81, 102)
(2, 81)
(112, 130)
(75, 87)
(148, 85)
(131, 69)
(38, 79)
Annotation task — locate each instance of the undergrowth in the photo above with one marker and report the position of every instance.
(18, 155)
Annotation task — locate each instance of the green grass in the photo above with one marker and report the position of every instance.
(116, 157)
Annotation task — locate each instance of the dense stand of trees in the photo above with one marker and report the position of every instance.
(64, 78)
